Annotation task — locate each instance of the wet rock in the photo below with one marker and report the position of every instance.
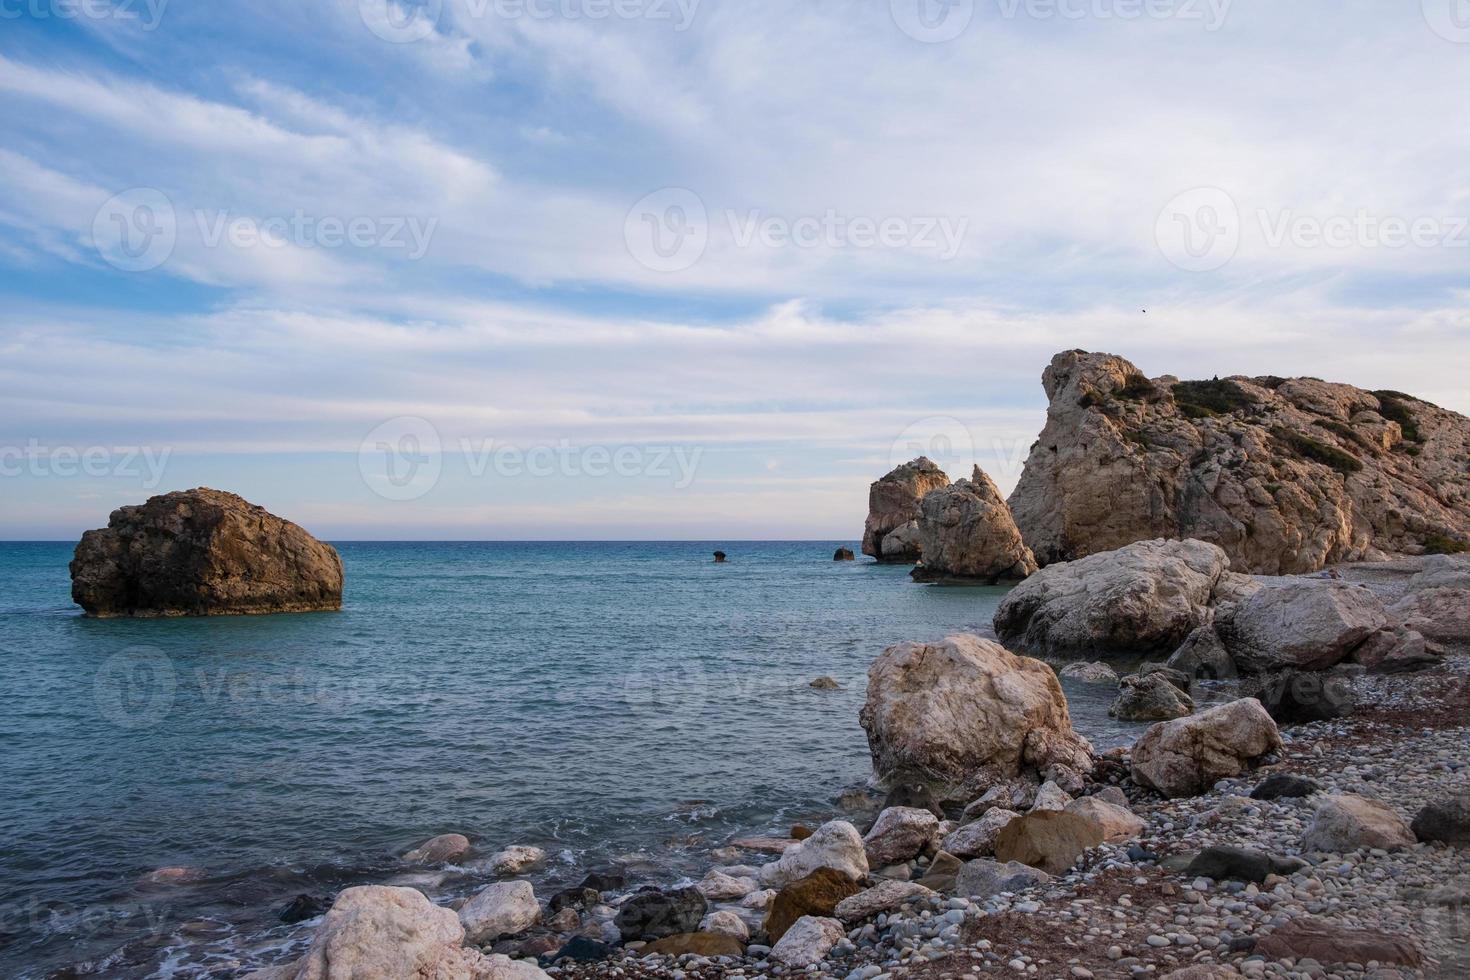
(720, 557)
(964, 713)
(439, 850)
(800, 832)
(1143, 598)
(1089, 673)
(899, 834)
(605, 881)
(1225, 862)
(202, 553)
(514, 860)
(303, 907)
(1051, 840)
(656, 914)
(583, 949)
(720, 887)
(574, 898)
(1345, 822)
(818, 894)
(836, 844)
(1447, 821)
(844, 554)
(502, 909)
(1281, 786)
(1187, 756)
(1150, 698)
(825, 684)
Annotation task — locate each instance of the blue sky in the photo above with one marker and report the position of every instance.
(685, 268)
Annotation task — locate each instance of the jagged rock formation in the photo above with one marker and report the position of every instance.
(891, 533)
(1286, 475)
(202, 553)
(966, 533)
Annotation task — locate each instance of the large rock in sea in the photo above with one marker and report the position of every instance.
(1144, 598)
(1308, 624)
(1287, 475)
(381, 931)
(965, 713)
(1186, 756)
(202, 553)
(966, 534)
(894, 512)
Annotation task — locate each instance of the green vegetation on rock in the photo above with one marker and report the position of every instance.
(1202, 399)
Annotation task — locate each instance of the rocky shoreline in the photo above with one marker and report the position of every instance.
(1218, 846)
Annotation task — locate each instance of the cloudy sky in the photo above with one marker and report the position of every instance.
(686, 268)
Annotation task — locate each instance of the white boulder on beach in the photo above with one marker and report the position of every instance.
(502, 909)
(835, 844)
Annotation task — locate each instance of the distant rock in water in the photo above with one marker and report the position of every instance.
(719, 557)
(844, 554)
(202, 553)
(892, 530)
(966, 534)
(1285, 474)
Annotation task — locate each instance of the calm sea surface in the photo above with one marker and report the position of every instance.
(600, 700)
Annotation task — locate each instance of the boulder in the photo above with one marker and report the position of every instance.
(1306, 624)
(977, 838)
(1446, 821)
(808, 942)
(894, 506)
(983, 878)
(1150, 698)
(605, 881)
(381, 931)
(1178, 678)
(899, 834)
(1286, 475)
(940, 874)
(720, 887)
(1345, 823)
(202, 553)
(915, 795)
(759, 900)
(1202, 656)
(966, 534)
(844, 554)
(1396, 650)
(1118, 823)
(886, 896)
(1089, 673)
(1441, 615)
(835, 844)
(1012, 795)
(656, 914)
(1330, 942)
(439, 850)
(514, 860)
(817, 894)
(1051, 840)
(1141, 599)
(1228, 863)
(502, 909)
(1187, 756)
(825, 684)
(696, 944)
(1051, 797)
(583, 949)
(964, 713)
(1295, 697)
(1284, 786)
(726, 923)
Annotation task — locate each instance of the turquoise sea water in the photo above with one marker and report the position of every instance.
(599, 700)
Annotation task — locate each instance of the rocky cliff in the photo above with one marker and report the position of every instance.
(1285, 474)
(201, 553)
(892, 529)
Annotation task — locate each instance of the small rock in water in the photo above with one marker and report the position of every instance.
(304, 907)
(825, 684)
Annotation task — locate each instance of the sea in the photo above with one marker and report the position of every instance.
(629, 704)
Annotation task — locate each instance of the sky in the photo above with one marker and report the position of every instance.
(686, 269)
